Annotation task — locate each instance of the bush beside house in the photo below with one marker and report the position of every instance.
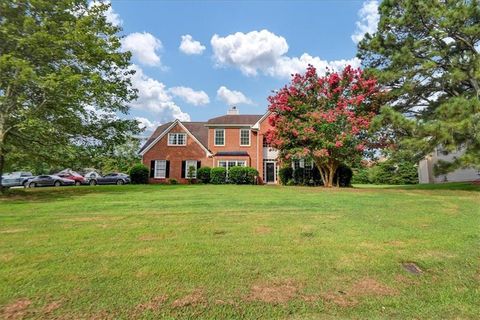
(139, 174)
(218, 175)
(203, 174)
(242, 175)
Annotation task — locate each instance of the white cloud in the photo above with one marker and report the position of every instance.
(110, 14)
(369, 18)
(265, 52)
(154, 96)
(197, 98)
(144, 47)
(287, 66)
(146, 124)
(250, 52)
(232, 97)
(190, 46)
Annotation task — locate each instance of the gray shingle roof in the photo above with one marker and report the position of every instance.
(241, 119)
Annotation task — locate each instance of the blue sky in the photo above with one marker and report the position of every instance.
(233, 52)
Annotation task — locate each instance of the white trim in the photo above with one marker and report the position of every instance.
(174, 123)
(186, 168)
(176, 145)
(249, 137)
(256, 126)
(155, 170)
(231, 160)
(215, 138)
(274, 171)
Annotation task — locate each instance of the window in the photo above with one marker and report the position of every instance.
(177, 139)
(188, 164)
(219, 137)
(232, 163)
(160, 169)
(244, 137)
(265, 143)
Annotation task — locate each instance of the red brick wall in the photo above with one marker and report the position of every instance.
(176, 154)
(232, 143)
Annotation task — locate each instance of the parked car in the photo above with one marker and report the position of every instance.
(49, 181)
(72, 175)
(91, 175)
(111, 178)
(16, 179)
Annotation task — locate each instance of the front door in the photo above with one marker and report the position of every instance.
(270, 172)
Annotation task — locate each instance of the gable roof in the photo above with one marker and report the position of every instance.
(196, 129)
(235, 119)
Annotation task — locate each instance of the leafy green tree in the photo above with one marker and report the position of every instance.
(63, 80)
(426, 53)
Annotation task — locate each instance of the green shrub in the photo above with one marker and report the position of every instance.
(251, 175)
(343, 176)
(360, 175)
(242, 175)
(191, 174)
(218, 175)
(203, 174)
(388, 172)
(139, 174)
(285, 174)
(173, 181)
(299, 176)
(290, 182)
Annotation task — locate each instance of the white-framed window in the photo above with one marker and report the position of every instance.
(177, 139)
(188, 164)
(244, 137)
(227, 164)
(219, 137)
(160, 169)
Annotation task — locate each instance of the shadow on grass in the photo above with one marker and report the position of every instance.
(47, 194)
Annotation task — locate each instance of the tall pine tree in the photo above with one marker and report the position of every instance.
(426, 52)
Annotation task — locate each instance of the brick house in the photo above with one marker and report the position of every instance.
(225, 141)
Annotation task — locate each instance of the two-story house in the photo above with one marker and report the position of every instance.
(225, 141)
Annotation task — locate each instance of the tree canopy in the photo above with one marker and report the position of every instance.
(63, 79)
(426, 54)
(325, 118)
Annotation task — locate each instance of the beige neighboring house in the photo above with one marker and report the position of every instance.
(425, 169)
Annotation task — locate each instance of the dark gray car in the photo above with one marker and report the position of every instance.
(49, 181)
(111, 178)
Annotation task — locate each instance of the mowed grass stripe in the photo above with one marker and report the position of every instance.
(206, 251)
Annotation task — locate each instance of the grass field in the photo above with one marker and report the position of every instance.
(232, 252)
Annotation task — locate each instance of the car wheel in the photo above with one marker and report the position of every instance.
(92, 183)
(32, 185)
(120, 182)
(78, 183)
(57, 184)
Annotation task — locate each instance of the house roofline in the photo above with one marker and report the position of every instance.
(256, 126)
(160, 136)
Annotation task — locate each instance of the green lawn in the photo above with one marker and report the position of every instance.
(252, 252)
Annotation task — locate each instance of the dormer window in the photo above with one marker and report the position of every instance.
(177, 139)
(244, 137)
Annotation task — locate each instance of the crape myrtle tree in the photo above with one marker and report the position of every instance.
(63, 80)
(325, 118)
(426, 55)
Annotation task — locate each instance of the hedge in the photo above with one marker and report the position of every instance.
(203, 174)
(242, 175)
(285, 174)
(218, 175)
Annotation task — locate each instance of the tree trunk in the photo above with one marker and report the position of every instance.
(327, 172)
